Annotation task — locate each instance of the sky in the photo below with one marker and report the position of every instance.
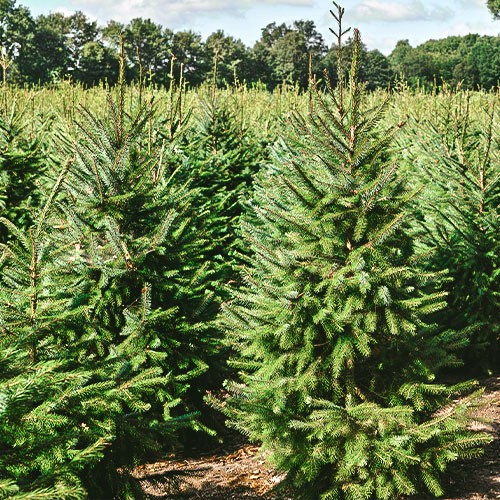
(381, 22)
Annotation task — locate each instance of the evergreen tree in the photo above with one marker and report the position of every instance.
(223, 157)
(142, 242)
(42, 446)
(58, 409)
(337, 350)
(456, 159)
(21, 165)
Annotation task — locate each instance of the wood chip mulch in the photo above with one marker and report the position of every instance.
(243, 474)
(479, 479)
(240, 471)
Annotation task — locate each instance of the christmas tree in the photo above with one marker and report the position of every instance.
(333, 328)
(141, 253)
(456, 217)
(59, 410)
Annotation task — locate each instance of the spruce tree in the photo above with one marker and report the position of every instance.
(223, 157)
(58, 409)
(333, 328)
(21, 165)
(41, 456)
(142, 247)
(456, 216)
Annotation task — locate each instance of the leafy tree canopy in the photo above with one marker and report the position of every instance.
(494, 6)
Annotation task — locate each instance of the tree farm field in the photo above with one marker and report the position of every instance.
(231, 292)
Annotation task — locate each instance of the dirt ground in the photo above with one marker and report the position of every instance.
(479, 479)
(238, 471)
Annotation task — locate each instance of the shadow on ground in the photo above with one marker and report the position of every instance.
(241, 472)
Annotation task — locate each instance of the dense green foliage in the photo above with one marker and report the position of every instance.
(52, 47)
(494, 6)
(224, 156)
(147, 277)
(472, 61)
(107, 302)
(356, 260)
(457, 161)
(60, 408)
(21, 165)
(333, 328)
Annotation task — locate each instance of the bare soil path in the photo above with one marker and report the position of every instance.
(480, 479)
(238, 471)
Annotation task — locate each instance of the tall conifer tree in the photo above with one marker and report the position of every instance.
(456, 216)
(60, 409)
(337, 351)
(141, 245)
(224, 156)
(21, 164)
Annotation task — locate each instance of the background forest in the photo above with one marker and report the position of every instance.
(55, 47)
(315, 262)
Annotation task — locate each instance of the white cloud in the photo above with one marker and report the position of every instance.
(398, 11)
(174, 13)
(67, 11)
(384, 44)
(465, 28)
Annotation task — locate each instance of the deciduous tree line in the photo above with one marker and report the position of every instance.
(49, 48)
